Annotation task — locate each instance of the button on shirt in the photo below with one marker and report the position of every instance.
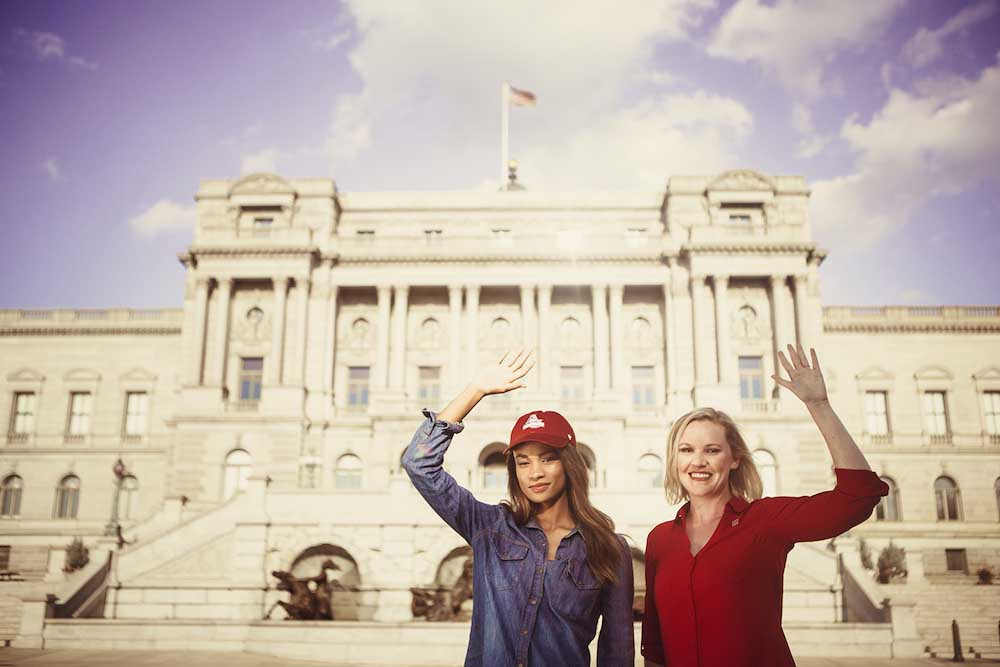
(527, 611)
(723, 606)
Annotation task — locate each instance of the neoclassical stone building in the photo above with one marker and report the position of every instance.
(261, 425)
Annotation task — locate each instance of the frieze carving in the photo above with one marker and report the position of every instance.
(742, 180)
(254, 325)
(261, 183)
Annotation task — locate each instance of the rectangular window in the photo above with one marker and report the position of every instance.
(956, 560)
(935, 416)
(263, 223)
(80, 403)
(991, 410)
(751, 378)
(366, 234)
(23, 417)
(357, 386)
(4, 557)
(432, 236)
(251, 378)
(571, 383)
(643, 387)
(876, 413)
(429, 378)
(136, 413)
(739, 218)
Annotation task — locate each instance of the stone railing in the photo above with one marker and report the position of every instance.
(911, 318)
(113, 320)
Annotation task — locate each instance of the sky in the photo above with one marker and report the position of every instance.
(112, 112)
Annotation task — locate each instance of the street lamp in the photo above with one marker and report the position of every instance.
(113, 529)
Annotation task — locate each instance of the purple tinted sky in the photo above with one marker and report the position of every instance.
(113, 111)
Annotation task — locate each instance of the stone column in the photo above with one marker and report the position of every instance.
(400, 308)
(600, 315)
(528, 317)
(330, 341)
(698, 312)
(669, 338)
(801, 310)
(302, 286)
(200, 324)
(380, 374)
(472, 326)
(777, 282)
(280, 284)
(455, 366)
(725, 362)
(544, 325)
(615, 294)
(222, 331)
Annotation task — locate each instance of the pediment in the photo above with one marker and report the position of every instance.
(262, 184)
(78, 374)
(990, 373)
(875, 373)
(25, 375)
(138, 375)
(933, 373)
(741, 180)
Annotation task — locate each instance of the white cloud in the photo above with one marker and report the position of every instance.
(796, 41)
(50, 46)
(51, 167)
(164, 215)
(333, 41)
(641, 146)
(927, 45)
(572, 55)
(811, 142)
(935, 141)
(265, 160)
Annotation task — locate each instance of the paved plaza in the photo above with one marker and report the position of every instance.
(79, 658)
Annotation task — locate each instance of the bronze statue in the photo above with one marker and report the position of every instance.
(440, 604)
(311, 598)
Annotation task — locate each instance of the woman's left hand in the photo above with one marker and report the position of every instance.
(804, 381)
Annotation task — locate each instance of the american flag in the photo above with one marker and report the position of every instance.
(521, 98)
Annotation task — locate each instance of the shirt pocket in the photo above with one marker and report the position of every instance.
(578, 592)
(509, 563)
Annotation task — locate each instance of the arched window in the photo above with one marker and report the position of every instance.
(348, 472)
(238, 466)
(888, 506)
(494, 466)
(129, 500)
(949, 500)
(67, 497)
(10, 496)
(768, 469)
(650, 471)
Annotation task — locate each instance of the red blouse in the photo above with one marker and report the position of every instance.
(722, 608)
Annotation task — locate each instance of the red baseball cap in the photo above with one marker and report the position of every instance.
(545, 426)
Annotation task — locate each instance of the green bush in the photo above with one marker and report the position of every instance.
(891, 564)
(77, 555)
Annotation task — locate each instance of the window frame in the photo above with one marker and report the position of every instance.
(366, 390)
(7, 490)
(74, 431)
(941, 503)
(759, 375)
(65, 493)
(247, 375)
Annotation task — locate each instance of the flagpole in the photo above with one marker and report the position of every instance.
(504, 131)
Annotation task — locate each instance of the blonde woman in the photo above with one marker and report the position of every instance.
(546, 562)
(714, 573)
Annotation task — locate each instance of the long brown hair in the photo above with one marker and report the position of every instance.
(604, 550)
(744, 481)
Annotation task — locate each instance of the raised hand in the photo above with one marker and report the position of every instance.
(804, 381)
(506, 374)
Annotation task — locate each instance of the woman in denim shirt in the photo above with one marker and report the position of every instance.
(546, 563)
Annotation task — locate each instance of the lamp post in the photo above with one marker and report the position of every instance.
(113, 528)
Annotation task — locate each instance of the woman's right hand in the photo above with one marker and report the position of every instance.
(505, 375)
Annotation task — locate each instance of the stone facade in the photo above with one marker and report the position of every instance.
(267, 416)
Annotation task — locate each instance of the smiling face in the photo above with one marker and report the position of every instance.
(540, 474)
(704, 460)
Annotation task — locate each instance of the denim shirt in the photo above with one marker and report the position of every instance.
(527, 611)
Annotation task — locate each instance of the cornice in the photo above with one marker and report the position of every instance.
(747, 247)
(911, 327)
(262, 251)
(105, 330)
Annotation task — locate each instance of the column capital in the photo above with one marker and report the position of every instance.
(594, 287)
(778, 278)
(202, 282)
(545, 288)
(455, 290)
(616, 290)
(721, 279)
(226, 283)
(280, 281)
(800, 278)
(383, 289)
(472, 287)
(401, 289)
(303, 281)
(527, 286)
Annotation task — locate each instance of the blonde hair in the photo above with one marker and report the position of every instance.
(744, 480)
